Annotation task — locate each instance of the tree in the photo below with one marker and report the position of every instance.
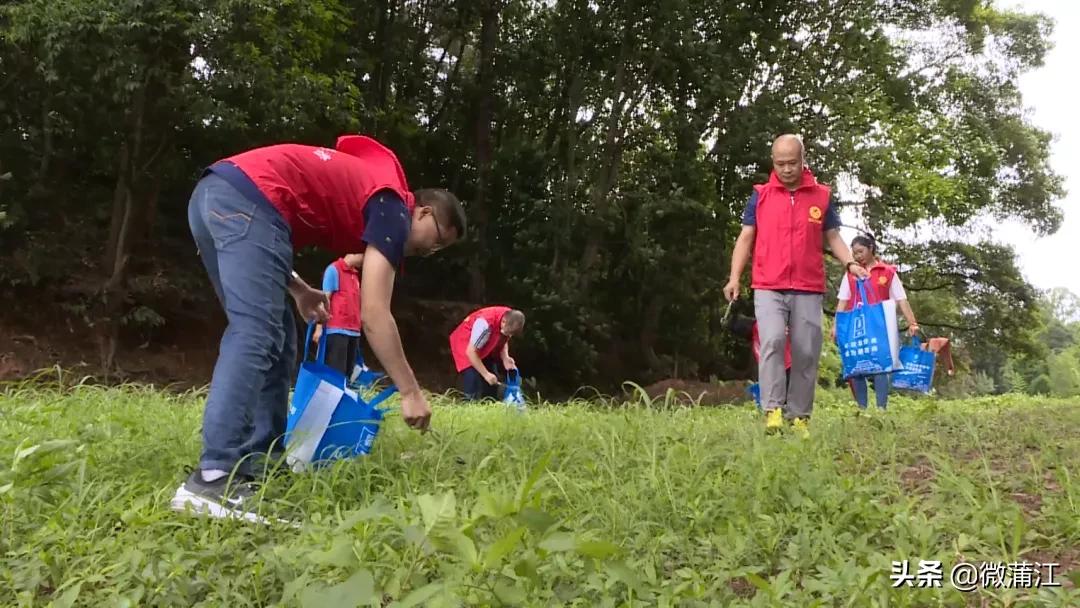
(125, 91)
(604, 150)
(1063, 372)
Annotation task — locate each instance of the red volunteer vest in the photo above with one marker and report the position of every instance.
(321, 192)
(345, 302)
(790, 236)
(459, 338)
(755, 345)
(877, 288)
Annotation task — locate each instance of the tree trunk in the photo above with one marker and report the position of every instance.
(113, 292)
(384, 45)
(121, 233)
(650, 326)
(119, 208)
(46, 143)
(608, 173)
(485, 110)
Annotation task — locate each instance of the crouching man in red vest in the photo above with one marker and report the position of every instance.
(786, 225)
(248, 214)
(477, 341)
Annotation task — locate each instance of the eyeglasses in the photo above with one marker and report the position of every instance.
(439, 243)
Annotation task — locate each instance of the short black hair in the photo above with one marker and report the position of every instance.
(446, 205)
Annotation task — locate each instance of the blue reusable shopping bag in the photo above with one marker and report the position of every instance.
(862, 334)
(513, 394)
(327, 420)
(918, 371)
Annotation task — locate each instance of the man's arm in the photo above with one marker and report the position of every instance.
(380, 328)
(481, 333)
(312, 303)
(743, 246)
(297, 285)
(508, 361)
(477, 364)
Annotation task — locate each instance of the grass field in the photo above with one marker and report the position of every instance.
(636, 505)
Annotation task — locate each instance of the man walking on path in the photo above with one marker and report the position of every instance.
(785, 225)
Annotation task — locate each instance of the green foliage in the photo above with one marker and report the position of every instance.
(830, 368)
(604, 150)
(1041, 386)
(1053, 368)
(571, 504)
(1063, 371)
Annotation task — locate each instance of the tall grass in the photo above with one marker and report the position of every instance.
(643, 503)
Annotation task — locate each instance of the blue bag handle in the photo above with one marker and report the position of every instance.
(383, 396)
(860, 284)
(513, 376)
(320, 355)
(915, 341)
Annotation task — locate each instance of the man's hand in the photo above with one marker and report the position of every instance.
(913, 329)
(509, 363)
(857, 270)
(731, 291)
(491, 378)
(415, 410)
(313, 304)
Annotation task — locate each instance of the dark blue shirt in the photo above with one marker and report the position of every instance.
(386, 226)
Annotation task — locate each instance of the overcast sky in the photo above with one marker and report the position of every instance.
(1049, 92)
(1052, 261)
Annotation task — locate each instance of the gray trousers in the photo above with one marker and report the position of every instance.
(778, 314)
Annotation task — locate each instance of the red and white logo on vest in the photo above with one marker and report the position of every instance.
(815, 214)
(324, 154)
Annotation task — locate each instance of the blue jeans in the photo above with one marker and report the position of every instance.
(246, 249)
(881, 390)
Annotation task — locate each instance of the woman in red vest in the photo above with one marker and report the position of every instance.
(883, 284)
(248, 215)
(477, 341)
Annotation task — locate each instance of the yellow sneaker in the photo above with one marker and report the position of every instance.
(774, 420)
(802, 428)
